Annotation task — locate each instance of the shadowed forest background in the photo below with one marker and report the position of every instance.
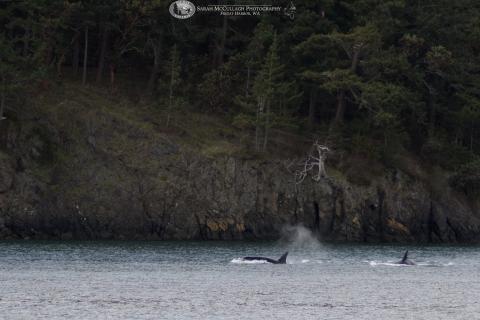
(384, 84)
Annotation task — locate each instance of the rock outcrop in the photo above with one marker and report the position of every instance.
(100, 176)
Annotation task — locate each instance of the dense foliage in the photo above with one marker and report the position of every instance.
(392, 74)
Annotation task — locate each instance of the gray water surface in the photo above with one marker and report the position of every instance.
(206, 280)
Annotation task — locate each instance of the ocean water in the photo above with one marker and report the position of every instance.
(209, 280)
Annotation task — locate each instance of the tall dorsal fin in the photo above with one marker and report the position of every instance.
(405, 256)
(283, 258)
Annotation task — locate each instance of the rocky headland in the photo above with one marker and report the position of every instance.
(73, 170)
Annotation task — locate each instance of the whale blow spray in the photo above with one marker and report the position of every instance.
(299, 237)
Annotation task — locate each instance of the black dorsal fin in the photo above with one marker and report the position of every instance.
(405, 256)
(283, 258)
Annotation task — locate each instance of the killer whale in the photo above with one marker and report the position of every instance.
(406, 261)
(281, 260)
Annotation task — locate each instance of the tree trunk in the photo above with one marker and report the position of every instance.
(60, 62)
(282, 105)
(471, 137)
(85, 57)
(247, 87)
(3, 96)
(112, 77)
(103, 51)
(221, 46)
(338, 120)
(26, 42)
(156, 68)
(340, 109)
(355, 58)
(311, 107)
(267, 126)
(432, 115)
(257, 124)
(2, 105)
(170, 95)
(48, 52)
(2, 99)
(76, 53)
(268, 99)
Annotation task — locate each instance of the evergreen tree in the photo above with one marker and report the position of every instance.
(171, 86)
(396, 72)
(267, 92)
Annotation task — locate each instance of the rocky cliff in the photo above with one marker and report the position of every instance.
(76, 171)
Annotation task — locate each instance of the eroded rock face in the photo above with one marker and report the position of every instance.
(6, 174)
(132, 185)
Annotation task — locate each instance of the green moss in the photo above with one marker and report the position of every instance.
(335, 174)
(220, 149)
(125, 129)
(3, 156)
(467, 177)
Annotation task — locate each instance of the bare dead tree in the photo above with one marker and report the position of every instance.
(313, 164)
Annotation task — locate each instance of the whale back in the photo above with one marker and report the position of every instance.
(283, 258)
